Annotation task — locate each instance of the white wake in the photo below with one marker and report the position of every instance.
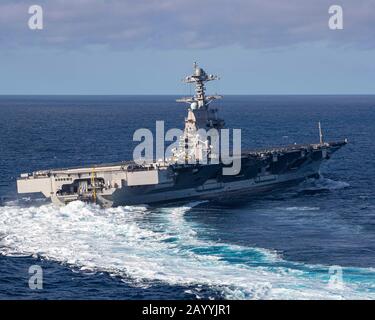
(154, 246)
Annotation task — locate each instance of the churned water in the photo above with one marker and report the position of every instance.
(274, 246)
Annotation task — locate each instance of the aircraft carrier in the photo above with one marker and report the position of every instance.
(184, 175)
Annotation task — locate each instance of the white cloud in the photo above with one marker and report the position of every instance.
(125, 24)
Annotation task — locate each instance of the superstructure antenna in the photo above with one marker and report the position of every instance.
(320, 133)
(193, 144)
(199, 78)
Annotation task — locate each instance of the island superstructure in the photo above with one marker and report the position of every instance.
(193, 171)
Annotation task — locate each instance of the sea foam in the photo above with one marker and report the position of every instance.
(162, 245)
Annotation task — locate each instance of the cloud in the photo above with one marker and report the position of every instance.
(175, 24)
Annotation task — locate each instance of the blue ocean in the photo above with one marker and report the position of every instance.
(287, 244)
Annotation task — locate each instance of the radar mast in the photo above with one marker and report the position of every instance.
(196, 143)
(199, 77)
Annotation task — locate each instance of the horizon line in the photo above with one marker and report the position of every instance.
(176, 94)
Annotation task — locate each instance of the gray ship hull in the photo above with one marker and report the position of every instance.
(253, 179)
(226, 192)
(127, 184)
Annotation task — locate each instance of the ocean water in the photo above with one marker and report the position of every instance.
(279, 245)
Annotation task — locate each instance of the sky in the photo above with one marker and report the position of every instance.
(148, 46)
